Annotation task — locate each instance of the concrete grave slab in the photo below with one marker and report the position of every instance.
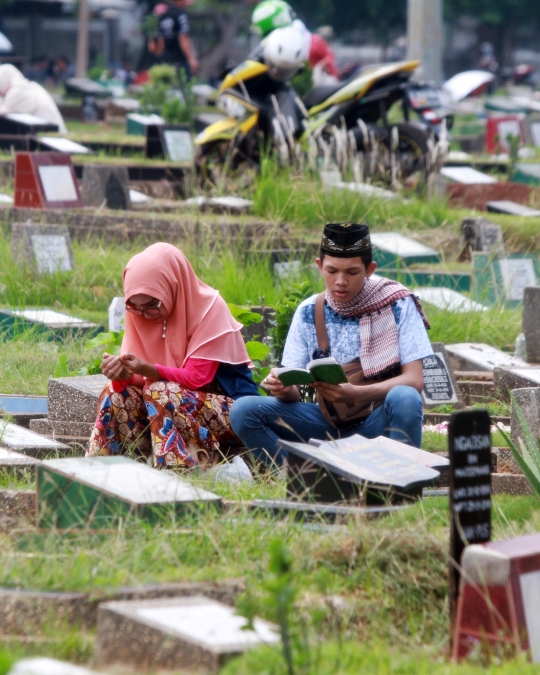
(391, 247)
(530, 324)
(512, 208)
(508, 379)
(18, 504)
(449, 300)
(46, 666)
(466, 175)
(528, 400)
(221, 204)
(187, 632)
(440, 384)
(75, 398)
(9, 459)
(27, 442)
(97, 491)
(43, 248)
(302, 511)
(106, 184)
(478, 356)
(63, 145)
(138, 197)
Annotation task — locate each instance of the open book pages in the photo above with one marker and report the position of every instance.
(319, 370)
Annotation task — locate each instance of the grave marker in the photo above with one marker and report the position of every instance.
(358, 469)
(46, 666)
(507, 379)
(478, 356)
(62, 145)
(24, 124)
(136, 124)
(503, 279)
(498, 600)
(106, 184)
(43, 248)
(531, 322)
(392, 248)
(517, 274)
(195, 632)
(498, 129)
(45, 180)
(480, 234)
(171, 141)
(512, 208)
(528, 400)
(440, 384)
(466, 175)
(98, 491)
(527, 173)
(469, 447)
(532, 131)
(117, 310)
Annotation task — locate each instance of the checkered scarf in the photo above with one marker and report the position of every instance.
(379, 347)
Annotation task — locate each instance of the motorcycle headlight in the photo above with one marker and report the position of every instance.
(232, 106)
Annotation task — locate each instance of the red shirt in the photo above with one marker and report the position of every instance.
(194, 375)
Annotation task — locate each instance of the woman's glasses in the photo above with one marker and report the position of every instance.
(154, 310)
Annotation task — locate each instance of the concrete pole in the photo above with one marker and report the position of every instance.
(82, 39)
(425, 38)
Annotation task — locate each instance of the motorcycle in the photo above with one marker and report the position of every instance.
(263, 110)
(362, 106)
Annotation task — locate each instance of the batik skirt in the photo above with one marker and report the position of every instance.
(176, 426)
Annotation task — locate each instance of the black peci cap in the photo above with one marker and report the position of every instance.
(345, 240)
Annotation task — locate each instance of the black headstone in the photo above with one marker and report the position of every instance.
(440, 384)
(355, 469)
(115, 193)
(469, 447)
(90, 112)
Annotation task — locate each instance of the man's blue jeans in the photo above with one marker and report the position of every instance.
(260, 421)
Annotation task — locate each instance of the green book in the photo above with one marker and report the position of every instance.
(319, 370)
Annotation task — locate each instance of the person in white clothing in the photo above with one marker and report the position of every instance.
(19, 95)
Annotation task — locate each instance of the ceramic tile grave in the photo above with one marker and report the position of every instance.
(448, 299)
(186, 632)
(103, 489)
(391, 247)
(15, 460)
(63, 145)
(466, 175)
(27, 442)
(358, 469)
(512, 209)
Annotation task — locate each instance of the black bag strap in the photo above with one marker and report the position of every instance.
(320, 323)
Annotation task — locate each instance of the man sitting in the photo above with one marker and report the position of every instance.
(376, 320)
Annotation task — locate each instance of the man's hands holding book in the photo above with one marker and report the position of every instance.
(342, 393)
(276, 388)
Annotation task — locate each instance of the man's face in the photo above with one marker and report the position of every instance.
(344, 277)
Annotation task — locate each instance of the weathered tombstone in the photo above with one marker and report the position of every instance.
(43, 321)
(27, 442)
(90, 112)
(98, 491)
(480, 234)
(517, 274)
(440, 384)
(531, 322)
(45, 180)
(478, 356)
(528, 400)
(43, 248)
(466, 175)
(46, 666)
(507, 379)
(357, 469)
(449, 300)
(178, 144)
(117, 309)
(109, 184)
(498, 602)
(469, 448)
(392, 248)
(196, 632)
(512, 208)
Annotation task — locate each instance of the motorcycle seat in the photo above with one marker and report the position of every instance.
(321, 93)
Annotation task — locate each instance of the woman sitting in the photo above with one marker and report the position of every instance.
(183, 364)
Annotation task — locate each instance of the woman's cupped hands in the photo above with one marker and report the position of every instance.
(120, 367)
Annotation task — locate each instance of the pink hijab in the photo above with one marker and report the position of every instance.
(200, 324)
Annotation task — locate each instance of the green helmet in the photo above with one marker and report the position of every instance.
(271, 14)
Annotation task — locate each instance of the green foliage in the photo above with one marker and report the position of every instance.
(110, 342)
(285, 310)
(244, 316)
(257, 351)
(99, 70)
(528, 454)
(163, 75)
(302, 82)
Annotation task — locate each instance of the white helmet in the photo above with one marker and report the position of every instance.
(284, 52)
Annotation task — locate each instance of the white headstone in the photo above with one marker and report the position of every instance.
(46, 666)
(57, 182)
(401, 246)
(116, 314)
(179, 145)
(51, 253)
(517, 274)
(448, 299)
(482, 356)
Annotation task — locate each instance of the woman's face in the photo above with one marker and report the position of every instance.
(147, 306)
